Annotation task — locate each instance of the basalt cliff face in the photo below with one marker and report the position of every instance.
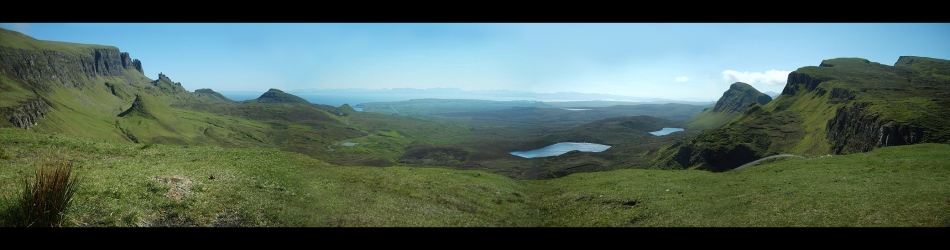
(39, 68)
(855, 130)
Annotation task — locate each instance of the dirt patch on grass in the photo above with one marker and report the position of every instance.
(179, 186)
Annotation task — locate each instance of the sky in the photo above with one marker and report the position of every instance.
(678, 61)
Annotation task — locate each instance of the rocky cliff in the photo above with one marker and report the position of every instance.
(26, 115)
(854, 130)
(799, 81)
(40, 68)
(166, 85)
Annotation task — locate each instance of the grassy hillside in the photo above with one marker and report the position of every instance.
(151, 154)
(137, 185)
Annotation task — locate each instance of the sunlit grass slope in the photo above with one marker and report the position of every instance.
(904, 186)
(133, 185)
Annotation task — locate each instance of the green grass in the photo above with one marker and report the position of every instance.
(17, 40)
(889, 187)
(129, 185)
(709, 119)
(13, 93)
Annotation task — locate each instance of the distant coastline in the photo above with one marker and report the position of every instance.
(337, 97)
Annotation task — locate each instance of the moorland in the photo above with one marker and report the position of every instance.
(872, 139)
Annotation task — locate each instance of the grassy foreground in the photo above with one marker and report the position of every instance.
(149, 185)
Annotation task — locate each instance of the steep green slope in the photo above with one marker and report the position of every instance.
(844, 105)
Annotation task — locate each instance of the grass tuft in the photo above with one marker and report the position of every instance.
(44, 202)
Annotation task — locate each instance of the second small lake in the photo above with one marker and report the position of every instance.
(666, 131)
(561, 148)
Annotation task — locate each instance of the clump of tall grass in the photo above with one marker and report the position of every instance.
(44, 201)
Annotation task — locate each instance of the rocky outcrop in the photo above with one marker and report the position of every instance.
(738, 97)
(129, 63)
(26, 115)
(840, 95)
(854, 130)
(166, 84)
(797, 80)
(38, 68)
(736, 100)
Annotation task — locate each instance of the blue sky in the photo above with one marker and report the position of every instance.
(681, 61)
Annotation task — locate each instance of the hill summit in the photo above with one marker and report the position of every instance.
(733, 102)
(738, 98)
(278, 96)
(213, 95)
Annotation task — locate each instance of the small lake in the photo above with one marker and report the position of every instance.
(349, 144)
(666, 131)
(561, 148)
(572, 109)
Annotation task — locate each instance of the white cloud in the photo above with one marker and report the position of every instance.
(682, 79)
(771, 77)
